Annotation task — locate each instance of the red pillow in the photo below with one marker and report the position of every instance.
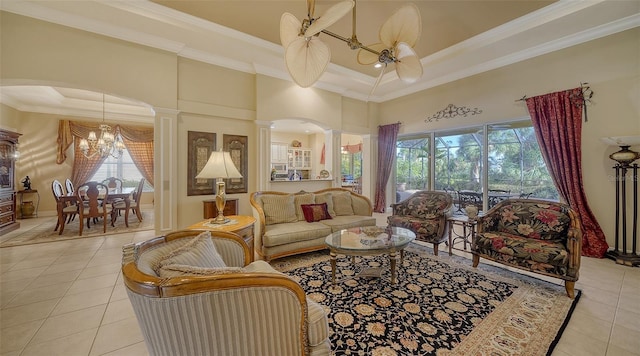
(315, 212)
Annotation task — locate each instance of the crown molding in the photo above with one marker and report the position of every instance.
(149, 24)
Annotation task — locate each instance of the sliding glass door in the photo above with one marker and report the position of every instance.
(455, 161)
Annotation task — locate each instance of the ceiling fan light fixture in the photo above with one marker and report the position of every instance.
(306, 57)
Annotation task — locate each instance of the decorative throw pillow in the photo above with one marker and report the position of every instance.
(342, 203)
(299, 200)
(278, 209)
(199, 252)
(315, 212)
(326, 198)
(176, 270)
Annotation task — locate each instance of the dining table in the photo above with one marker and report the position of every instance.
(123, 194)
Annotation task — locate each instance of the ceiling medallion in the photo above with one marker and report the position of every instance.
(452, 111)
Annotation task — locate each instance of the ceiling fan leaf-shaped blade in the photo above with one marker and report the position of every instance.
(306, 60)
(289, 29)
(327, 19)
(408, 64)
(366, 58)
(404, 25)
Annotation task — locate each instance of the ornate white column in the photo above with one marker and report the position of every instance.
(332, 158)
(263, 165)
(368, 176)
(165, 170)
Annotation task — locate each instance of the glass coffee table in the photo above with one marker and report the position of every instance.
(369, 241)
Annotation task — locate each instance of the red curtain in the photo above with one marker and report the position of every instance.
(387, 138)
(557, 120)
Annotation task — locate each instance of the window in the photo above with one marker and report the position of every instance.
(122, 168)
(351, 165)
(513, 163)
(413, 164)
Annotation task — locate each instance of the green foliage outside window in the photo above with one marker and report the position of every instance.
(515, 163)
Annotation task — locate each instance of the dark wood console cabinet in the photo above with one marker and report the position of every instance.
(211, 211)
(8, 147)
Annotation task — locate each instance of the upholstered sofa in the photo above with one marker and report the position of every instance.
(282, 228)
(425, 213)
(535, 235)
(241, 309)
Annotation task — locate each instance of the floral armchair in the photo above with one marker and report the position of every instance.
(425, 213)
(535, 235)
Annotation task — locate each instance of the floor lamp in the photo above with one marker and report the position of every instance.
(624, 159)
(219, 166)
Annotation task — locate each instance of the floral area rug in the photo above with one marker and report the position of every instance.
(43, 233)
(439, 306)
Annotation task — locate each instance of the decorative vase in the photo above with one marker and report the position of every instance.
(472, 211)
(28, 209)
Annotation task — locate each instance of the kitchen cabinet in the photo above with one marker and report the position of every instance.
(279, 152)
(300, 158)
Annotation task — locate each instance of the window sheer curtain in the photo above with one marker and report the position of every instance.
(387, 138)
(557, 120)
(138, 140)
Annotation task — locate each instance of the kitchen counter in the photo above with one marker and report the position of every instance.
(294, 186)
(301, 180)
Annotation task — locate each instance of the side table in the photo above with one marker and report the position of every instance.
(468, 230)
(239, 224)
(27, 208)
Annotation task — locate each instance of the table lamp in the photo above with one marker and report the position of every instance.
(219, 166)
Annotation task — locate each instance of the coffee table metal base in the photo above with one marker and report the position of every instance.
(368, 272)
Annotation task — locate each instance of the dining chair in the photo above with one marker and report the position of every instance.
(93, 194)
(133, 205)
(114, 184)
(497, 195)
(467, 197)
(69, 184)
(71, 192)
(65, 205)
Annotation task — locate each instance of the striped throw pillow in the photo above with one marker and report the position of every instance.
(199, 252)
(278, 209)
(302, 199)
(175, 270)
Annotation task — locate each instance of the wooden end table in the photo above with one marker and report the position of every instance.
(239, 224)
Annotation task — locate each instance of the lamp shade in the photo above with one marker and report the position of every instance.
(219, 165)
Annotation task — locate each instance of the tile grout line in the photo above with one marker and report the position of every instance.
(59, 300)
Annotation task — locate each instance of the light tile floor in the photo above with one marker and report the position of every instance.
(67, 298)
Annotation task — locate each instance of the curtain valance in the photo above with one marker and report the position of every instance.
(352, 148)
(68, 129)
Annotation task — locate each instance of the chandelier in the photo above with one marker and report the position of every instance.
(307, 57)
(108, 144)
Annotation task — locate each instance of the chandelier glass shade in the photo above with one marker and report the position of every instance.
(108, 144)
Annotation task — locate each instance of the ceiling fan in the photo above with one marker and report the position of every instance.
(307, 57)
